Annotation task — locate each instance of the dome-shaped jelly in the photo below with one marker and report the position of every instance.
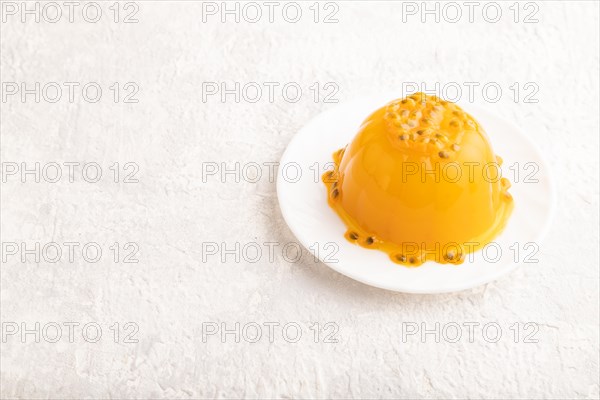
(420, 181)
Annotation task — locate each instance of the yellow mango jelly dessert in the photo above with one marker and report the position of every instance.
(420, 182)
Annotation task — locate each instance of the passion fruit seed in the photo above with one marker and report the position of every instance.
(335, 193)
(401, 257)
(443, 154)
(412, 260)
(420, 131)
(450, 255)
(454, 123)
(370, 240)
(403, 137)
(353, 235)
(330, 175)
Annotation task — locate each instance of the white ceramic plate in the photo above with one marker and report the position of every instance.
(303, 202)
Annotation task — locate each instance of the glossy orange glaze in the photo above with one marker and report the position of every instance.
(420, 181)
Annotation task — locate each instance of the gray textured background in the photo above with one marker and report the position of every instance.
(171, 211)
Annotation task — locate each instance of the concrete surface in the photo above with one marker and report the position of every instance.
(178, 218)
